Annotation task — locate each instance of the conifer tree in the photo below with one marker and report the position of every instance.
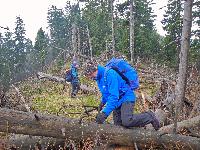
(40, 47)
(173, 26)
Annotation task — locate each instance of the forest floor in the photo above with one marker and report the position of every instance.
(156, 83)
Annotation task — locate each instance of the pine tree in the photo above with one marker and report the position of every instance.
(145, 40)
(19, 42)
(6, 58)
(96, 15)
(40, 47)
(58, 27)
(194, 53)
(22, 46)
(173, 26)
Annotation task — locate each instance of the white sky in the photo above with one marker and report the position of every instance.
(34, 14)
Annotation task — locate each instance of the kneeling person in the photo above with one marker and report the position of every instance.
(118, 98)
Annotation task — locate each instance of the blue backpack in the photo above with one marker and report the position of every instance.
(68, 76)
(125, 70)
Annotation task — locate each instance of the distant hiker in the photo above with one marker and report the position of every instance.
(72, 76)
(117, 82)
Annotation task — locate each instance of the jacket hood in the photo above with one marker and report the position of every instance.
(100, 72)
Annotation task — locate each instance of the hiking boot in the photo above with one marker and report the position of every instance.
(155, 123)
(73, 95)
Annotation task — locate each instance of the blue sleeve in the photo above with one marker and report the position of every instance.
(103, 99)
(74, 71)
(112, 99)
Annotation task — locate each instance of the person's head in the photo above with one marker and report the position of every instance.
(75, 64)
(91, 70)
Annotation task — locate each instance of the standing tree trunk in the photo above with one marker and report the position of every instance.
(113, 27)
(90, 42)
(74, 43)
(131, 31)
(107, 49)
(79, 41)
(185, 45)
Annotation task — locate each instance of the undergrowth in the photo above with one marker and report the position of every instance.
(52, 98)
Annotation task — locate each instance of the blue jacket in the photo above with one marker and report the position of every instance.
(74, 72)
(114, 90)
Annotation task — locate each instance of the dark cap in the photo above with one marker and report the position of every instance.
(90, 68)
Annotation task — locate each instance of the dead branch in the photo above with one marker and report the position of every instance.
(193, 122)
(22, 98)
(50, 77)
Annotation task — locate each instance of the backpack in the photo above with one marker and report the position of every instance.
(68, 75)
(125, 70)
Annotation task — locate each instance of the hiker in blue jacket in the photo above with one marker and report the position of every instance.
(118, 98)
(75, 80)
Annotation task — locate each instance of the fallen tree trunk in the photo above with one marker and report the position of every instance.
(24, 142)
(193, 122)
(50, 77)
(60, 127)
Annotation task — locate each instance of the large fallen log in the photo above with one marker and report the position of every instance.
(24, 142)
(190, 123)
(50, 77)
(12, 121)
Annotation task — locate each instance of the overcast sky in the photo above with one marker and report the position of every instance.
(34, 14)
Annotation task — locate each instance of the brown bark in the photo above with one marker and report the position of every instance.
(132, 22)
(3, 144)
(74, 38)
(24, 142)
(90, 43)
(183, 55)
(193, 122)
(79, 41)
(196, 108)
(113, 26)
(59, 127)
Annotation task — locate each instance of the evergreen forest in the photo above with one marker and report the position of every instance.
(32, 73)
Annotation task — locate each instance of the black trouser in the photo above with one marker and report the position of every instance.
(124, 116)
(75, 88)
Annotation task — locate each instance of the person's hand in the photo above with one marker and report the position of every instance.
(100, 106)
(101, 117)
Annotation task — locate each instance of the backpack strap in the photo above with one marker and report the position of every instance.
(116, 70)
(105, 79)
(122, 75)
(116, 61)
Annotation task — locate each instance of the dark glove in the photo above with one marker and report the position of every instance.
(100, 107)
(101, 117)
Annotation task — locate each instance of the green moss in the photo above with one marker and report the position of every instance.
(49, 97)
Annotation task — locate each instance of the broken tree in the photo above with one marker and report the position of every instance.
(50, 77)
(60, 127)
